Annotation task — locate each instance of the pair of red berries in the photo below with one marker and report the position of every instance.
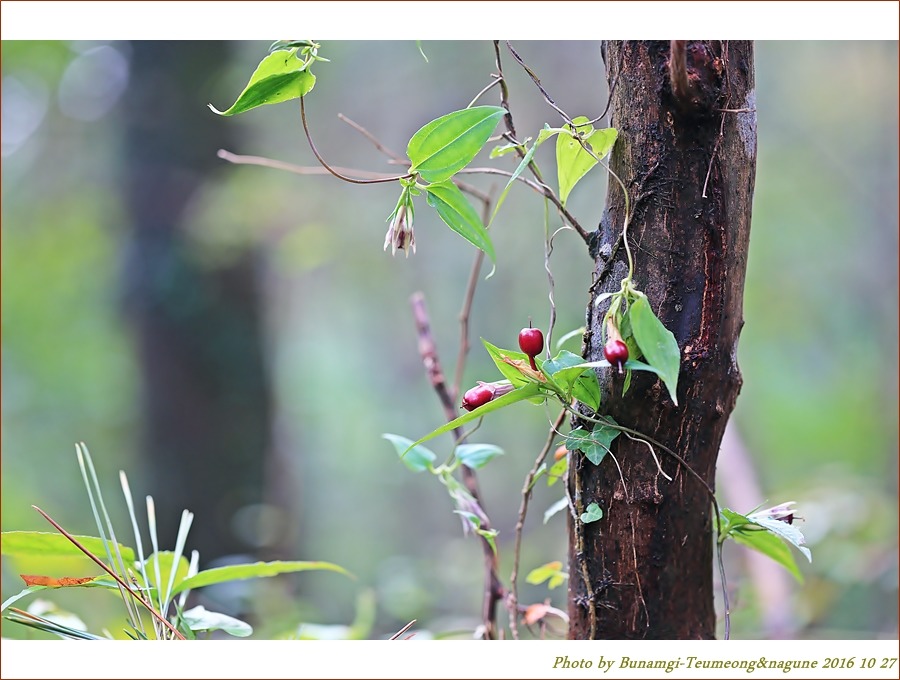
(531, 342)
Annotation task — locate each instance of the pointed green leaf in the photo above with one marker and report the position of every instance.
(557, 471)
(572, 160)
(239, 572)
(570, 373)
(525, 392)
(545, 134)
(593, 444)
(770, 545)
(416, 458)
(448, 144)
(546, 571)
(199, 618)
(477, 455)
(280, 77)
(592, 513)
(602, 141)
(458, 214)
(657, 344)
(49, 544)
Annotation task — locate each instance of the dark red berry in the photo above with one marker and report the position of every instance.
(531, 341)
(616, 353)
(477, 396)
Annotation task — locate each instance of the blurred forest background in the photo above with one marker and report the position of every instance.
(234, 338)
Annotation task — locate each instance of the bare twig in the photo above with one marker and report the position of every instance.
(537, 82)
(331, 170)
(368, 135)
(485, 89)
(296, 169)
(109, 571)
(538, 187)
(512, 600)
(493, 588)
(400, 632)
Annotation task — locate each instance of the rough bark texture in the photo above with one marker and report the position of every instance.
(646, 569)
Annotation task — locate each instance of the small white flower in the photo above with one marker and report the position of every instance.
(400, 235)
(783, 512)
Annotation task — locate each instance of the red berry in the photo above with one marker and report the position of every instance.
(477, 396)
(616, 353)
(531, 341)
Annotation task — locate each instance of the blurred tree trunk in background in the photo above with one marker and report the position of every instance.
(204, 394)
(646, 569)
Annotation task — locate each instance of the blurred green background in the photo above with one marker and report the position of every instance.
(234, 338)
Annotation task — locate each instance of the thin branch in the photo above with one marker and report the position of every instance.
(493, 588)
(331, 170)
(109, 571)
(485, 89)
(237, 159)
(368, 135)
(402, 630)
(539, 188)
(513, 597)
(466, 310)
(537, 82)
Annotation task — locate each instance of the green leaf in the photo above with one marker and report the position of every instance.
(509, 372)
(49, 545)
(458, 214)
(477, 455)
(448, 144)
(603, 140)
(280, 77)
(166, 561)
(475, 522)
(657, 343)
(20, 595)
(546, 133)
(199, 618)
(525, 392)
(561, 504)
(786, 532)
(239, 572)
(504, 149)
(551, 571)
(592, 513)
(594, 444)
(572, 160)
(557, 471)
(416, 458)
(570, 373)
(770, 545)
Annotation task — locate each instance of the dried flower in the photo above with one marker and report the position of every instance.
(400, 235)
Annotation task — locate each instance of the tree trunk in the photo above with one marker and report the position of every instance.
(204, 391)
(686, 117)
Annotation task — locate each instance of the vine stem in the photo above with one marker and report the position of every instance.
(513, 597)
(331, 170)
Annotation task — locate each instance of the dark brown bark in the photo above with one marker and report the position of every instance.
(649, 562)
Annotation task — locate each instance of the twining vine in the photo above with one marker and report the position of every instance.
(438, 155)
